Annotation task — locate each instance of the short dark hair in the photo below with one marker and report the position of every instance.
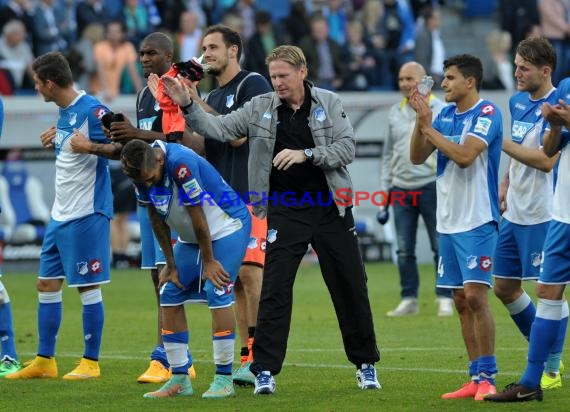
(136, 158)
(161, 40)
(230, 36)
(55, 67)
(538, 51)
(468, 65)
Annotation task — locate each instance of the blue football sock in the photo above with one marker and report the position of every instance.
(474, 370)
(553, 361)
(159, 354)
(93, 320)
(487, 368)
(522, 312)
(7, 330)
(544, 332)
(49, 320)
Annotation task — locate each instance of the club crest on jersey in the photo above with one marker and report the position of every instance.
(252, 243)
(486, 262)
(182, 172)
(320, 114)
(271, 235)
(471, 262)
(72, 118)
(95, 266)
(156, 107)
(535, 259)
(82, 268)
(229, 101)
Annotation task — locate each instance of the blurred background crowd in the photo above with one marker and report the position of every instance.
(350, 45)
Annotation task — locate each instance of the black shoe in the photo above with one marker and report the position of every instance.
(516, 392)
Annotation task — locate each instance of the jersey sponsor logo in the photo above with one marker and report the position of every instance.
(95, 266)
(156, 106)
(230, 101)
(447, 119)
(471, 262)
(483, 125)
(454, 139)
(252, 243)
(100, 112)
(267, 115)
(320, 114)
(146, 124)
(488, 109)
(520, 106)
(182, 172)
(486, 263)
(82, 268)
(520, 129)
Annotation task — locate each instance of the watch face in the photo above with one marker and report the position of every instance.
(309, 153)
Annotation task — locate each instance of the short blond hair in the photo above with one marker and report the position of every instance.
(289, 54)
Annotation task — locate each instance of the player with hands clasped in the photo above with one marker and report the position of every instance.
(467, 136)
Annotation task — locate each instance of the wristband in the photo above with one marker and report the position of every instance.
(185, 108)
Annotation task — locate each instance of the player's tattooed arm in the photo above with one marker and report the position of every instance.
(79, 143)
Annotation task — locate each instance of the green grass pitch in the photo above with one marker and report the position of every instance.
(422, 356)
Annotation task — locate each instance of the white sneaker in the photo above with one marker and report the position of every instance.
(445, 307)
(264, 384)
(366, 377)
(408, 306)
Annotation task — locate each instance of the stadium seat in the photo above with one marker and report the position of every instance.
(24, 211)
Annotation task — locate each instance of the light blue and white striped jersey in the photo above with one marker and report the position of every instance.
(468, 197)
(82, 181)
(190, 180)
(529, 198)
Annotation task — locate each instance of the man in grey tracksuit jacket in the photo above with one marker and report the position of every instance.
(300, 144)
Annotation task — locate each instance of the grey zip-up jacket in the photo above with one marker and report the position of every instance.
(257, 119)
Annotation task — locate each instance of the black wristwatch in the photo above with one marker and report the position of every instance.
(185, 108)
(309, 154)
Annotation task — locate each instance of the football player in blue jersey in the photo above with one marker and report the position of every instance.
(549, 323)
(155, 51)
(185, 193)
(468, 138)
(76, 244)
(8, 357)
(526, 192)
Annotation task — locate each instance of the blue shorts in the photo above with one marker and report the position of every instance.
(519, 250)
(466, 257)
(555, 269)
(78, 250)
(151, 253)
(229, 251)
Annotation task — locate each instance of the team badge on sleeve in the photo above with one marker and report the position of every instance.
(488, 110)
(483, 125)
(182, 172)
(100, 112)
